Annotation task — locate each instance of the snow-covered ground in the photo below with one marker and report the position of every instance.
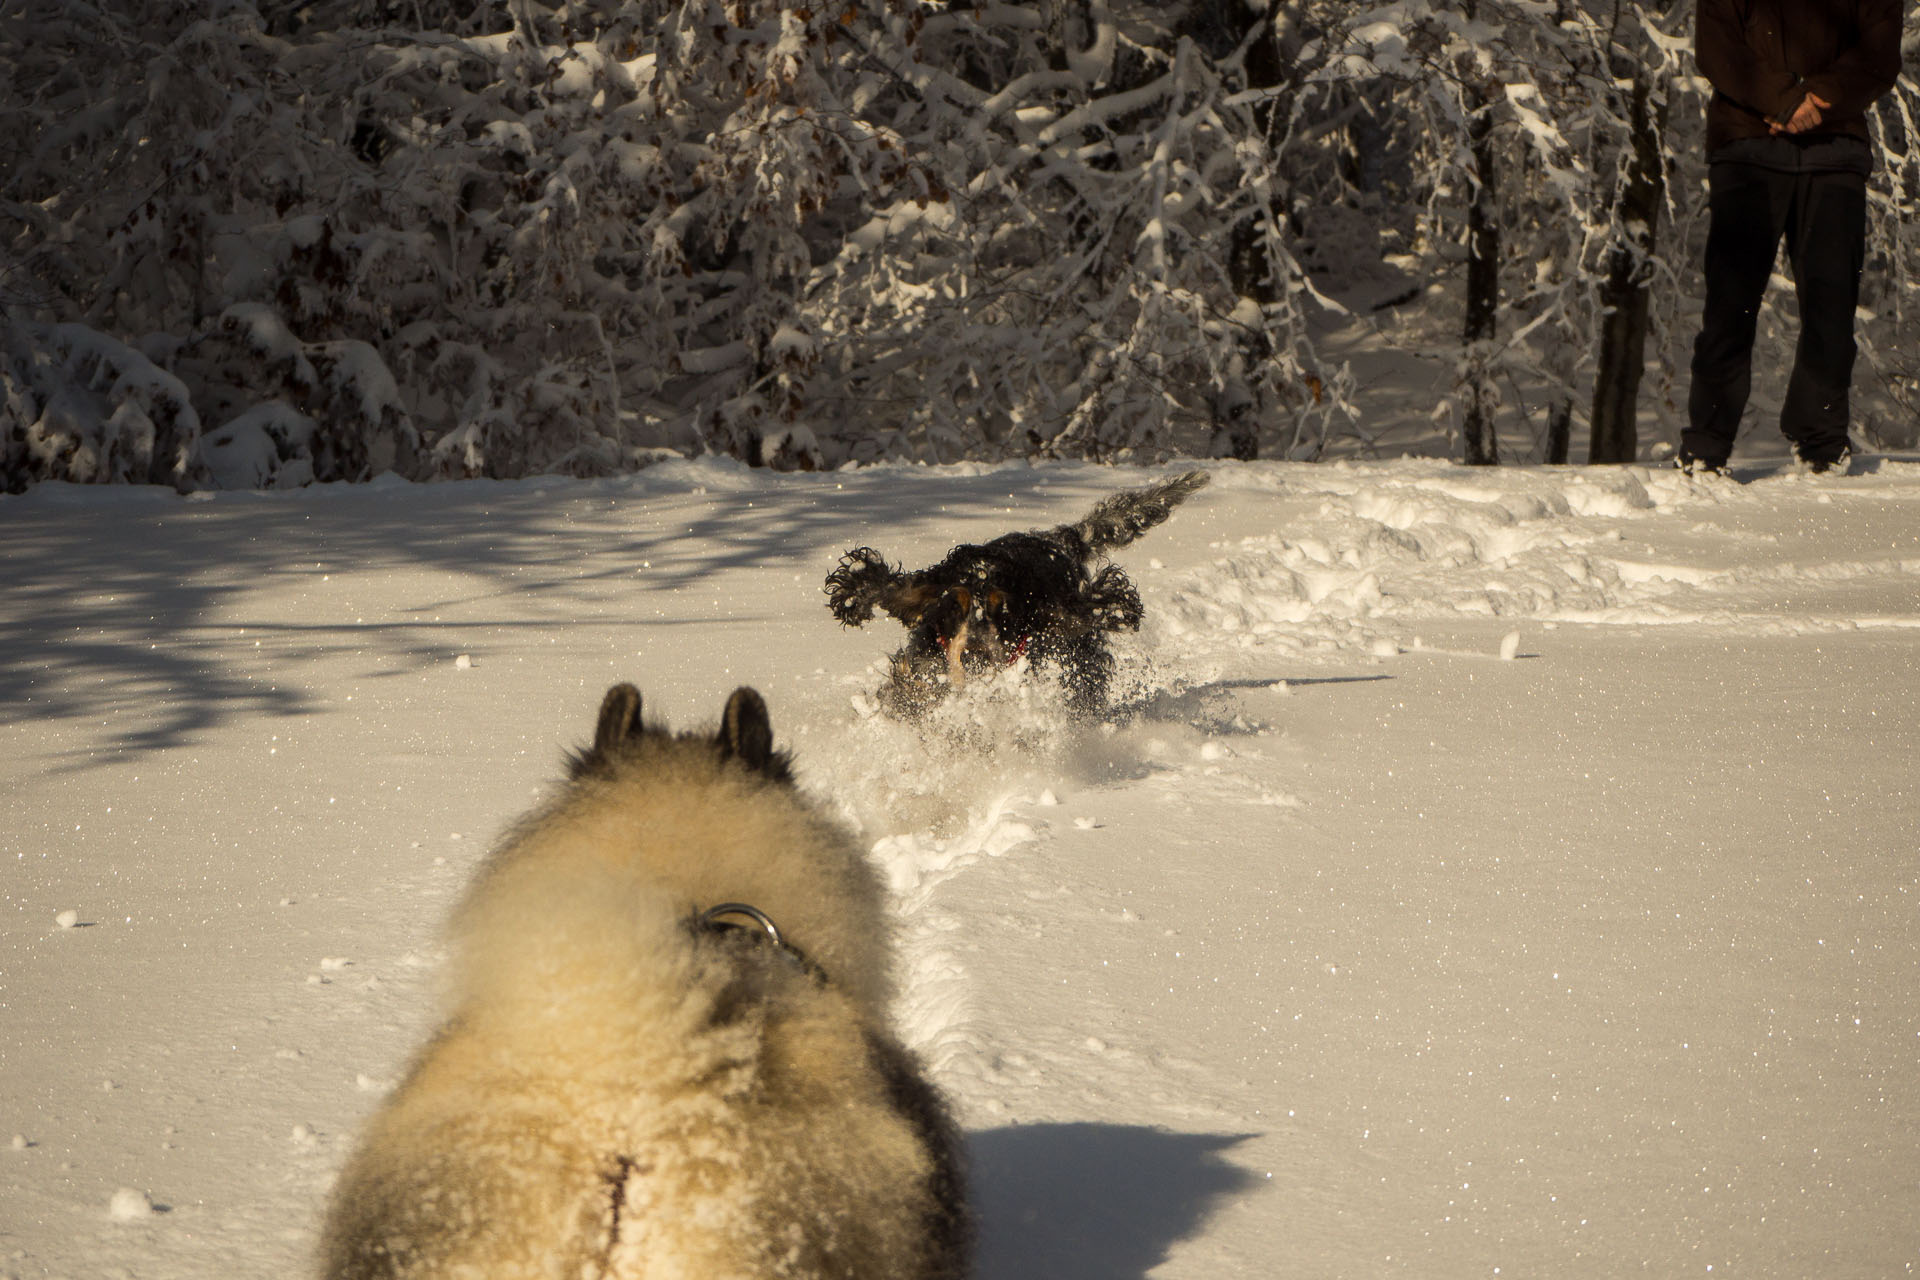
(1494, 873)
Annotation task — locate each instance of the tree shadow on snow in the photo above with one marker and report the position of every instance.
(1094, 1201)
(129, 606)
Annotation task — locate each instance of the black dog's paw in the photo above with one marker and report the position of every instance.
(861, 582)
(1112, 603)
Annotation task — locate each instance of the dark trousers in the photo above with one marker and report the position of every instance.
(1823, 216)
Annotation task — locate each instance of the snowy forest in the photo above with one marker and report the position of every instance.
(253, 244)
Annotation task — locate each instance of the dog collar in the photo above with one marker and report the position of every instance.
(715, 920)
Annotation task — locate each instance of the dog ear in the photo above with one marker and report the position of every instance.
(746, 734)
(619, 722)
(909, 599)
(857, 584)
(619, 718)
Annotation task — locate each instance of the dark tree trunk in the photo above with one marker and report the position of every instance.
(1626, 292)
(1483, 286)
(1247, 261)
(1559, 430)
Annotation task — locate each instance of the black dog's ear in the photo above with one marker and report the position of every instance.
(746, 734)
(857, 584)
(865, 579)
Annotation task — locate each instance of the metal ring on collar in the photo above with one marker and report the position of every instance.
(713, 920)
(713, 916)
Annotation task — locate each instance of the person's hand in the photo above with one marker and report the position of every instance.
(1805, 116)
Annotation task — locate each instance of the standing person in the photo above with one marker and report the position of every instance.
(1788, 154)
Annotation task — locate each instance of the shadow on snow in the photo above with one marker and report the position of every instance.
(129, 606)
(1094, 1201)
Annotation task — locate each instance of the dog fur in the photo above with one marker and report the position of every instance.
(622, 1094)
(1048, 595)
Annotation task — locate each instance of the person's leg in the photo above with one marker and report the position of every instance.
(1747, 209)
(1826, 246)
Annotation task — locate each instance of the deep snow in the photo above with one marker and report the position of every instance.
(1503, 872)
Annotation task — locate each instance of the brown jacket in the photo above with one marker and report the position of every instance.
(1764, 57)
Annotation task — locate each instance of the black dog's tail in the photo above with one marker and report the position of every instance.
(1125, 516)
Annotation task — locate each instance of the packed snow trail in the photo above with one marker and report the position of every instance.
(1491, 870)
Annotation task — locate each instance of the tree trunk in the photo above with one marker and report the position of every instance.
(1559, 430)
(1248, 263)
(1626, 292)
(1483, 288)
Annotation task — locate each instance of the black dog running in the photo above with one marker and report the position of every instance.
(1047, 595)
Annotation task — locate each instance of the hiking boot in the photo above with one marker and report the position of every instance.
(1701, 468)
(1828, 466)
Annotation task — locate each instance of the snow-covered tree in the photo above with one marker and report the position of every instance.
(1645, 66)
(1488, 96)
(1887, 415)
(461, 238)
(264, 245)
(1547, 144)
(1108, 272)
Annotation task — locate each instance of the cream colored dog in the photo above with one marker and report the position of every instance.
(634, 1085)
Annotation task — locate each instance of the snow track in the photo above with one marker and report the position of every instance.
(1369, 558)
